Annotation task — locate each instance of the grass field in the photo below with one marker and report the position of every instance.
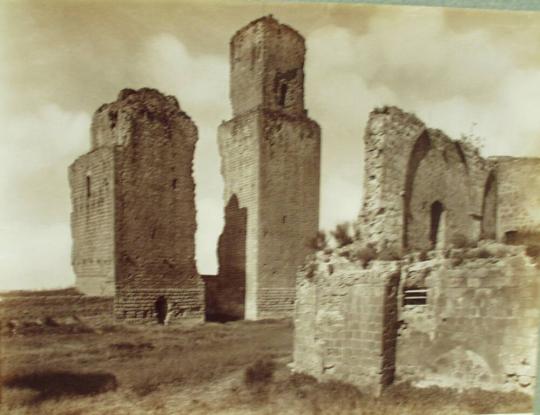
(82, 363)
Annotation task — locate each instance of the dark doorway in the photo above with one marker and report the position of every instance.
(437, 210)
(161, 309)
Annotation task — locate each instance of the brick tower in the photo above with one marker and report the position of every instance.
(270, 153)
(133, 219)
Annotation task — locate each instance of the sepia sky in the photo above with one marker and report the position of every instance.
(464, 71)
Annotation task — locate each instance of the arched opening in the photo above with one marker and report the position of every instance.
(489, 209)
(437, 224)
(418, 153)
(161, 309)
(88, 186)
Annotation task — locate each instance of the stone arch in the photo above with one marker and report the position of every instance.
(489, 208)
(437, 224)
(161, 308)
(421, 148)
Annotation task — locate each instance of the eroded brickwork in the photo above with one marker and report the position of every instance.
(425, 294)
(270, 155)
(149, 224)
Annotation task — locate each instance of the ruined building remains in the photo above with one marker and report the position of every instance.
(270, 153)
(442, 285)
(133, 218)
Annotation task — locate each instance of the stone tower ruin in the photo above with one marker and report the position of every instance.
(270, 153)
(133, 218)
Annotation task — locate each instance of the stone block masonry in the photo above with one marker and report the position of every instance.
(139, 172)
(443, 286)
(270, 154)
(472, 324)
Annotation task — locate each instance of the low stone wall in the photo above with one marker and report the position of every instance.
(456, 318)
(141, 305)
(34, 307)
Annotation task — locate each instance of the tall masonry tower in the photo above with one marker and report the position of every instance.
(133, 218)
(270, 153)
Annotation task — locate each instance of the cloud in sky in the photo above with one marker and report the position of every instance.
(452, 75)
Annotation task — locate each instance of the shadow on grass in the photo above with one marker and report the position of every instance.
(58, 384)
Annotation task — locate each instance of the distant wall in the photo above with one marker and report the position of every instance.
(91, 179)
(518, 195)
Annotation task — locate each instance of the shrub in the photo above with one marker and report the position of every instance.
(310, 269)
(342, 234)
(366, 254)
(458, 240)
(319, 242)
(260, 373)
(483, 253)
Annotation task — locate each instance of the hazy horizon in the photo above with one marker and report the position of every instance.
(463, 71)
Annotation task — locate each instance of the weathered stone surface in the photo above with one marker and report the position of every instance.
(133, 217)
(354, 324)
(270, 155)
(454, 307)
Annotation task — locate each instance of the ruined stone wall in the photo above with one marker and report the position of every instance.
(478, 327)
(408, 169)
(91, 179)
(270, 164)
(155, 216)
(471, 320)
(345, 321)
(518, 195)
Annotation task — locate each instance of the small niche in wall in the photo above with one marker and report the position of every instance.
(88, 186)
(415, 296)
